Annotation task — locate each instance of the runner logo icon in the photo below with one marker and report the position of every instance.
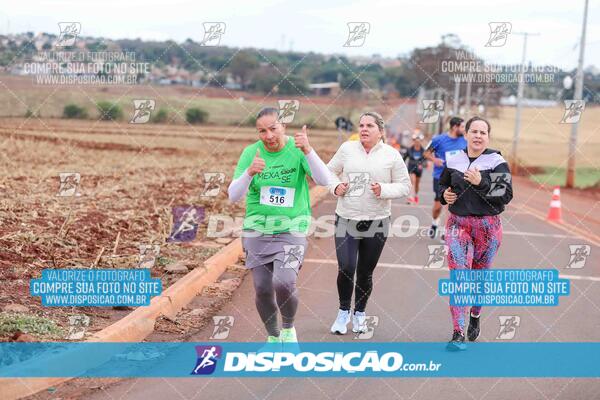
(223, 324)
(207, 359)
(579, 254)
(432, 110)
(499, 183)
(573, 111)
(437, 255)
(293, 256)
(357, 33)
(357, 184)
(508, 326)
(499, 32)
(287, 110)
(213, 31)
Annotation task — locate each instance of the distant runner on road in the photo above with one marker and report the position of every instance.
(437, 151)
(415, 156)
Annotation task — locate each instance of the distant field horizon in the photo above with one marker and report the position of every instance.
(543, 140)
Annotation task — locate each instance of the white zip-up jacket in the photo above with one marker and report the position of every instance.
(383, 165)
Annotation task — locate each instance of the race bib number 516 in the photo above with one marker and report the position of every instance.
(277, 196)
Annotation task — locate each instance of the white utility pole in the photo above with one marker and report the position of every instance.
(578, 95)
(520, 90)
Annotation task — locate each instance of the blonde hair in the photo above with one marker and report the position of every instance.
(378, 120)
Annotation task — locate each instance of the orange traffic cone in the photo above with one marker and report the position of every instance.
(555, 213)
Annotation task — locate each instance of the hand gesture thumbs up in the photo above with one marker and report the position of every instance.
(301, 140)
(258, 164)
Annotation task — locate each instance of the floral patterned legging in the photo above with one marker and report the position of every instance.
(473, 242)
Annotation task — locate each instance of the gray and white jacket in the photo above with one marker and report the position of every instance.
(490, 196)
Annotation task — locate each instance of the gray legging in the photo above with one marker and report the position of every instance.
(271, 283)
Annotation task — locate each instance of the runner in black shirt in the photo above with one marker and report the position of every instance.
(477, 185)
(415, 157)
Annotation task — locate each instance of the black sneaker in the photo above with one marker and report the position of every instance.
(457, 343)
(473, 330)
(432, 231)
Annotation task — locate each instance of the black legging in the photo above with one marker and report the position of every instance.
(358, 247)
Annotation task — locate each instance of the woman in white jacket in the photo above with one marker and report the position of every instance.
(366, 176)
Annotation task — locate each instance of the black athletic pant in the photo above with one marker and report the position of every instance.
(358, 247)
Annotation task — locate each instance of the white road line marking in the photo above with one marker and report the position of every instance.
(535, 234)
(387, 265)
(580, 278)
(422, 267)
(553, 235)
(517, 233)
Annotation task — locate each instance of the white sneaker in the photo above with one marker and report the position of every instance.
(359, 322)
(339, 326)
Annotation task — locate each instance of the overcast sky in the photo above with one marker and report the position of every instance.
(397, 27)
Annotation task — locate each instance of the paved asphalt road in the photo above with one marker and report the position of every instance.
(408, 308)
